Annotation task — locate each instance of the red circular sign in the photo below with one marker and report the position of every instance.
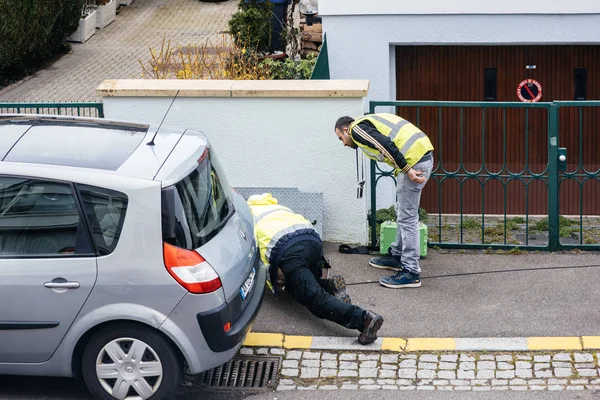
(529, 91)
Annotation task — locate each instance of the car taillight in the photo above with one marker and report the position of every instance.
(190, 269)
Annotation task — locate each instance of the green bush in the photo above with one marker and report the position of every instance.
(251, 25)
(32, 31)
(290, 69)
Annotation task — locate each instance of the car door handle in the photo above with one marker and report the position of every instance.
(62, 285)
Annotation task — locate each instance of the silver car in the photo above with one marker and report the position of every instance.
(125, 256)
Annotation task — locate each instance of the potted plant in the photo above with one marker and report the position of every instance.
(87, 23)
(107, 12)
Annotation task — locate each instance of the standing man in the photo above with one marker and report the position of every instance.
(288, 242)
(400, 144)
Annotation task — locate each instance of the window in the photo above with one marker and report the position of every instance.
(84, 145)
(105, 212)
(40, 218)
(195, 209)
(580, 83)
(490, 84)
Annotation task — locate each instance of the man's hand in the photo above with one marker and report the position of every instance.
(415, 176)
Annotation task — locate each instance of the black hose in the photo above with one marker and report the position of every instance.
(489, 272)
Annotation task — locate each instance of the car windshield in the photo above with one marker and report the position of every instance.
(196, 208)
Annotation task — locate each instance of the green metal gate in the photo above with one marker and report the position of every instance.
(91, 109)
(539, 185)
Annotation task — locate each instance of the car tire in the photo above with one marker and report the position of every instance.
(142, 362)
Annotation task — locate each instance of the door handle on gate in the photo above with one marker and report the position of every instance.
(62, 285)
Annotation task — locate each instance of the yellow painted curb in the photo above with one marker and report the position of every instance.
(264, 339)
(591, 342)
(554, 343)
(297, 342)
(430, 344)
(393, 344)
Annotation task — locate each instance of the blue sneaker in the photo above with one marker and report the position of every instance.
(401, 280)
(388, 261)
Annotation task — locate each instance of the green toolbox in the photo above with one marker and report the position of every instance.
(387, 236)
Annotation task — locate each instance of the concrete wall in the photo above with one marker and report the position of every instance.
(267, 134)
(361, 39)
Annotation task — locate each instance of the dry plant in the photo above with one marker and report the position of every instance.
(223, 60)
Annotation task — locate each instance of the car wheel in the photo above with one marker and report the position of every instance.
(130, 362)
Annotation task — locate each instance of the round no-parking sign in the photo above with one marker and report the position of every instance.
(529, 91)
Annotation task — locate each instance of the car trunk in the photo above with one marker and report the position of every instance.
(201, 212)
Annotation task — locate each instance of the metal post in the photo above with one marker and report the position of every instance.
(373, 204)
(553, 192)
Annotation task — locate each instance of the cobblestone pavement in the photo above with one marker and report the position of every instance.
(114, 52)
(460, 371)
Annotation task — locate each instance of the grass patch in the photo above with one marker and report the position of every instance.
(512, 225)
(497, 230)
(542, 224)
(566, 231)
(471, 223)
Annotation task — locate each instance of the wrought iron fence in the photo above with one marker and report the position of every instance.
(84, 109)
(502, 177)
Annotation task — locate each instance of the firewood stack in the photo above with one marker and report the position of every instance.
(312, 37)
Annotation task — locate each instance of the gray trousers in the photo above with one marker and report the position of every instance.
(407, 209)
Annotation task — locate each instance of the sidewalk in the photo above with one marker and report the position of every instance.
(531, 302)
(502, 322)
(114, 52)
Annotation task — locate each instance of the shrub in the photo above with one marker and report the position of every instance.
(290, 69)
(251, 25)
(32, 31)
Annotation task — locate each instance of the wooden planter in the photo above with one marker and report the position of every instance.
(86, 29)
(106, 14)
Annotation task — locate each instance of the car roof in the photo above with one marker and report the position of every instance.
(129, 149)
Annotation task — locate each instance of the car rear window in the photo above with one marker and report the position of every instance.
(105, 211)
(196, 208)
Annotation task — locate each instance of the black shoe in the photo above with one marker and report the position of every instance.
(372, 323)
(401, 280)
(387, 261)
(337, 287)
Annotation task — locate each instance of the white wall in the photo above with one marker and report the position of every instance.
(362, 46)
(272, 142)
(387, 7)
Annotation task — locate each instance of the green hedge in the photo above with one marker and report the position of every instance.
(31, 31)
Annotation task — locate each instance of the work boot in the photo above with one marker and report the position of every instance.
(337, 287)
(400, 280)
(387, 261)
(372, 323)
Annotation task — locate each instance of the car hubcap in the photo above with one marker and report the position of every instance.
(129, 369)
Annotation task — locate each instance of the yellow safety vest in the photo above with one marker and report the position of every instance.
(413, 143)
(272, 222)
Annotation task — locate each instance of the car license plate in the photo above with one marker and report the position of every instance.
(247, 286)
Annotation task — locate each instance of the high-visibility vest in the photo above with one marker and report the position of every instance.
(272, 222)
(412, 143)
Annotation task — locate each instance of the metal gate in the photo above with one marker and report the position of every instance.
(507, 175)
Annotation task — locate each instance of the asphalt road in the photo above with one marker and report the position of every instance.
(37, 388)
(24, 388)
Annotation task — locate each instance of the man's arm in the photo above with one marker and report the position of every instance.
(366, 134)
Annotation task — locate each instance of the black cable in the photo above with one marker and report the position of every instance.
(490, 272)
